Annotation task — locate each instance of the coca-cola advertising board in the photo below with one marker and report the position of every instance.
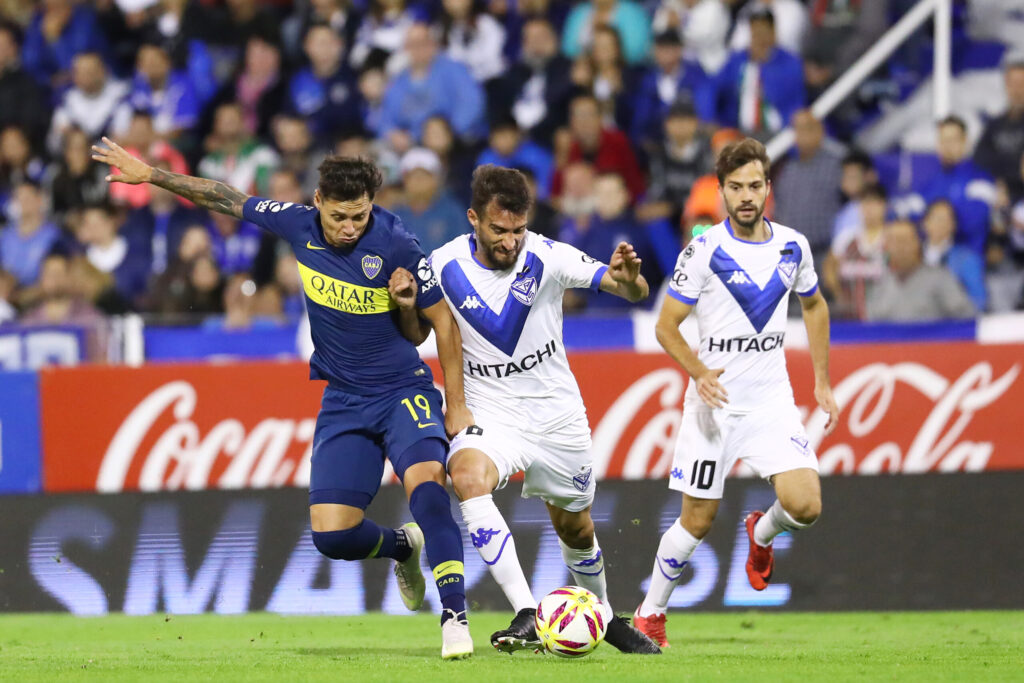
(905, 409)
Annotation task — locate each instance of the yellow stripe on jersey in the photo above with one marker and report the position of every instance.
(449, 567)
(345, 296)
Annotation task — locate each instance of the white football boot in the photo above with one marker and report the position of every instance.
(456, 643)
(409, 575)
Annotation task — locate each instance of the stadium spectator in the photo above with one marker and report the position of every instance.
(75, 180)
(676, 163)
(340, 15)
(433, 84)
(474, 38)
(759, 88)
(1002, 143)
(166, 94)
(141, 139)
(939, 250)
(612, 222)
(235, 157)
(21, 98)
(382, 33)
(248, 18)
(536, 90)
(172, 292)
(60, 304)
(326, 92)
(127, 261)
(791, 24)
(288, 285)
(670, 80)
(626, 17)
(909, 290)
(603, 73)
(608, 149)
(858, 173)
(857, 257)
(544, 219)
(284, 187)
(705, 200)
(18, 160)
(428, 210)
(234, 243)
(239, 303)
(968, 188)
(90, 104)
(456, 158)
(510, 149)
(59, 30)
(576, 204)
(297, 151)
(8, 285)
(29, 235)
(96, 287)
(260, 88)
(373, 84)
(160, 224)
(841, 31)
(807, 185)
(702, 25)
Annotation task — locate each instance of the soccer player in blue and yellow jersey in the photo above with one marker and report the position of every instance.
(362, 273)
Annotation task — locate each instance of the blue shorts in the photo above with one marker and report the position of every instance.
(354, 433)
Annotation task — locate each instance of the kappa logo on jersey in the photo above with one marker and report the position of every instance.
(272, 206)
(525, 290)
(426, 275)
(582, 480)
(471, 303)
(677, 473)
(738, 278)
(372, 265)
(591, 562)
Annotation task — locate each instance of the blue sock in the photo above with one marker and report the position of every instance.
(431, 508)
(362, 542)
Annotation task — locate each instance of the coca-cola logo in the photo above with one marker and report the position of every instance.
(876, 429)
(183, 458)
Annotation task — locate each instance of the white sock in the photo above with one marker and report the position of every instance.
(587, 567)
(493, 540)
(677, 544)
(773, 523)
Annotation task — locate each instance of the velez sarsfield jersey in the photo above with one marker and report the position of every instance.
(740, 293)
(516, 371)
(358, 346)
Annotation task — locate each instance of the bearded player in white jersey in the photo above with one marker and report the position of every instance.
(737, 277)
(505, 286)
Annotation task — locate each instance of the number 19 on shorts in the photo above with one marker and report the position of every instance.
(418, 401)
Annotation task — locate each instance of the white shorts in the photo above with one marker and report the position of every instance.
(558, 465)
(770, 440)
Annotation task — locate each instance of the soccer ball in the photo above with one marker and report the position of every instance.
(570, 621)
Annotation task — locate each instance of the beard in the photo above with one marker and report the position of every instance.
(734, 215)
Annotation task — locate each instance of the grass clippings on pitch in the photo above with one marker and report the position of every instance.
(748, 646)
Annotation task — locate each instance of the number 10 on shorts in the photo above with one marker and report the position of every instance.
(703, 474)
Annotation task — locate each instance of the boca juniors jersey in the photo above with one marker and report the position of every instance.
(358, 346)
(516, 370)
(740, 293)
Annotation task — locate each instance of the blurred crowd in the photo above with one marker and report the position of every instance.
(614, 109)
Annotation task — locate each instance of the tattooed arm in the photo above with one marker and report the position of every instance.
(209, 194)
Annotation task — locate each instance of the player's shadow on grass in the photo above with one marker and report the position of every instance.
(342, 651)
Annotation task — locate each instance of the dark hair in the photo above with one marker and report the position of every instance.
(346, 179)
(954, 120)
(506, 186)
(765, 15)
(941, 202)
(875, 190)
(738, 154)
(859, 158)
(13, 30)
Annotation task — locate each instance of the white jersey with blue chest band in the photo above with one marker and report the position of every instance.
(740, 291)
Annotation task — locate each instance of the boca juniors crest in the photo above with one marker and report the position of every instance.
(525, 290)
(372, 265)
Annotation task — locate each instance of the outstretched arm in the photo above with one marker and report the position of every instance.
(449, 352)
(209, 194)
(623, 276)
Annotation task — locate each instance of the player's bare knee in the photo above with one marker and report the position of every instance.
(698, 515)
(471, 476)
(576, 533)
(330, 517)
(805, 511)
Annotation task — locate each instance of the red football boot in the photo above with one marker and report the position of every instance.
(653, 627)
(760, 559)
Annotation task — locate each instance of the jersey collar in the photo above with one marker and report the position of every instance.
(767, 223)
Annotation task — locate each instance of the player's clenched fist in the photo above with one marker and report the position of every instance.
(624, 265)
(132, 170)
(402, 288)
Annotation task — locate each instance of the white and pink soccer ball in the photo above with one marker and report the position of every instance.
(571, 621)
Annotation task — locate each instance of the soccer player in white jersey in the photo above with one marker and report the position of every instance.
(505, 286)
(737, 277)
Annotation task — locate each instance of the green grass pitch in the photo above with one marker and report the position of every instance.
(964, 646)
